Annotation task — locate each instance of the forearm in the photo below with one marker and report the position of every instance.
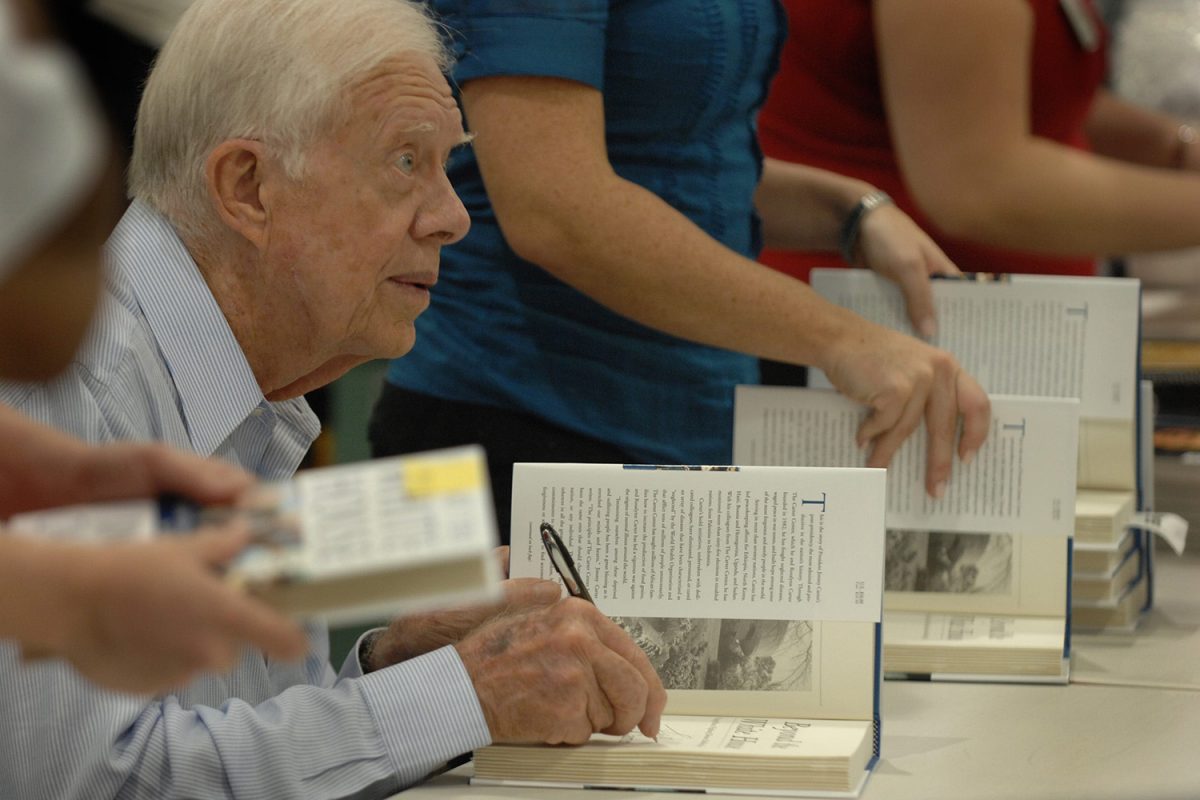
(1126, 132)
(959, 114)
(1045, 197)
(804, 208)
(626, 248)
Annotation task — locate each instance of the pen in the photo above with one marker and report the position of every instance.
(563, 563)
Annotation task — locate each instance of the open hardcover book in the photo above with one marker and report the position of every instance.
(976, 582)
(756, 593)
(1050, 336)
(350, 543)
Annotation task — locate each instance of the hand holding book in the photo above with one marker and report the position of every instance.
(904, 382)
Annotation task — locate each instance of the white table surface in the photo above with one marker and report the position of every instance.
(945, 741)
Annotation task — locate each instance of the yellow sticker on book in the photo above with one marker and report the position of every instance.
(425, 477)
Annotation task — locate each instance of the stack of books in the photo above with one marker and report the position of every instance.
(1110, 571)
(1047, 336)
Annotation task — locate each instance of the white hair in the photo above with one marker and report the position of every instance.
(274, 71)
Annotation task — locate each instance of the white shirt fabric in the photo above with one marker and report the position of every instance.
(162, 363)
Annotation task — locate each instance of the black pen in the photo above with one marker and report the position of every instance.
(563, 563)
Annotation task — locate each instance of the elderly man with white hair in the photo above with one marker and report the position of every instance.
(289, 207)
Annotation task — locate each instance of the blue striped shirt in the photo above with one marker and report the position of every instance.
(161, 363)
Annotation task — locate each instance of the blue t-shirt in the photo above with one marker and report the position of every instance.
(682, 82)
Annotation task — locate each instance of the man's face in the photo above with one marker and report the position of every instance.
(353, 247)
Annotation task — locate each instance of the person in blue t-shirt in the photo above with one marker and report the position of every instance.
(606, 300)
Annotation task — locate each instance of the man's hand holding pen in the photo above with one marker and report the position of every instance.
(559, 674)
(545, 668)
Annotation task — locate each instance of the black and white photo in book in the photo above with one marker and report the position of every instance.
(957, 563)
(759, 655)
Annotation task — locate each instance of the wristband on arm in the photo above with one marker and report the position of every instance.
(852, 227)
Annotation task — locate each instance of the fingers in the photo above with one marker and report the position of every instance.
(918, 299)
(216, 547)
(937, 262)
(624, 691)
(887, 443)
(941, 426)
(655, 699)
(239, 618)
(558, 674)
(204, 480)
(941, 393)
(976, 411)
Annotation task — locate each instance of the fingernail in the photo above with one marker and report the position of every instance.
(928, 328)
(939, 491)
(968, 458)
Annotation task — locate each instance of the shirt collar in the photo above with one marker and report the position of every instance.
(217, 389)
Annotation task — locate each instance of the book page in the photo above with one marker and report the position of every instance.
(728, 542)
(976, 573)
(654, 548)
(1048, 336)
(1106, 454)
(1021, 481)
(998, 632)
(745, 736)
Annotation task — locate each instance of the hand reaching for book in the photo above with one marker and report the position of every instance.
(893, 246)
(411, 636)
(559, 674)
(147, 616)
(904, 381)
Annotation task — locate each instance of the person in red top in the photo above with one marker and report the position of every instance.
(986, 123)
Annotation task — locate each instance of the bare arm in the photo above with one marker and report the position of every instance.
(1121, 130)
(958, 109)
(805, 208)
(541, 149)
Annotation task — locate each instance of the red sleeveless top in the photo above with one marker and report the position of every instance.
(825, 108)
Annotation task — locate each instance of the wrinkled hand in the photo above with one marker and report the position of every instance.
(560, 674)
(892, 245)
(149, 616)
(411, 636)
(903, 380)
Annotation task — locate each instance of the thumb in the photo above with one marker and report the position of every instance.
(216, 547)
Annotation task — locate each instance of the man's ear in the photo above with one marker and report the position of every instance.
(235, 172)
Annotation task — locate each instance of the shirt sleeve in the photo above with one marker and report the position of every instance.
(542, 38)
(364, 738)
